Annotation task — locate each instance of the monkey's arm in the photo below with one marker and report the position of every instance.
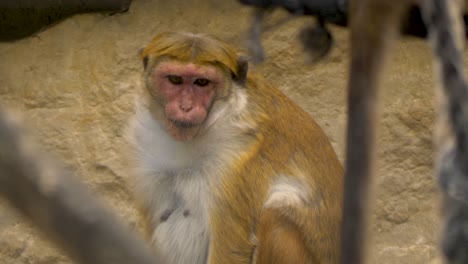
(336, 12)
(60, 205)
(318, 40)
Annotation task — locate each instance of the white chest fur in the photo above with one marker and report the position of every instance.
(174, 178)
(175, 192)
(180, 217)
(174, 181)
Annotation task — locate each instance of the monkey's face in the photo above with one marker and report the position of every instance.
(185, 93)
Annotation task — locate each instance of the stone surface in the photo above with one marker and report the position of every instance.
(75, 83)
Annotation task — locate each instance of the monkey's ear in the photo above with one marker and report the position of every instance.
(145, 59)
(145, 62)
(242, 69)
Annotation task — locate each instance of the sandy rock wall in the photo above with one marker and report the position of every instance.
(75, 83)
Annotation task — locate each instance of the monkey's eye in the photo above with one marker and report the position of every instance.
(202, 82)
(174, 79)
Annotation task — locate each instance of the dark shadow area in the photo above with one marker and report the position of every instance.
(22, 18)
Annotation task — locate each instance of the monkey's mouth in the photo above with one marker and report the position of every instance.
(183, 124)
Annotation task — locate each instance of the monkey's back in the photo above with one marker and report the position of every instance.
(288, 130)
(293, 154)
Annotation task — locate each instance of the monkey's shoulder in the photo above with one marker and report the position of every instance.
(283, 120)
(289, 135)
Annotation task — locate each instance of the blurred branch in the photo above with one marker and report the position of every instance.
(58, 203)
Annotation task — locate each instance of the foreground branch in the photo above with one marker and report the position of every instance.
(61, 205)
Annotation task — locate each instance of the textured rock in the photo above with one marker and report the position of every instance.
(75, 84)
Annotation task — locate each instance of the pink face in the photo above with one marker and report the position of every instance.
(188, 90)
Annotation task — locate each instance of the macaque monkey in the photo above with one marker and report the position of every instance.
(229, 169)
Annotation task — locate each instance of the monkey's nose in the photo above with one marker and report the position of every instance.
(186, 108)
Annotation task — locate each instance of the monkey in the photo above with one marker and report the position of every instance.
(228, 168)
(317, 39)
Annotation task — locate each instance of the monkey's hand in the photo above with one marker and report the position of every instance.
(317, 40)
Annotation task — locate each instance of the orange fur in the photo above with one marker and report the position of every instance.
(277, 197)
(197, 49)
(281, 241)
(282, 127)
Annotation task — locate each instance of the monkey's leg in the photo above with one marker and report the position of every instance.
(374, 25)
(279, 241)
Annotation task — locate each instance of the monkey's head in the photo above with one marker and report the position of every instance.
(185, 74)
